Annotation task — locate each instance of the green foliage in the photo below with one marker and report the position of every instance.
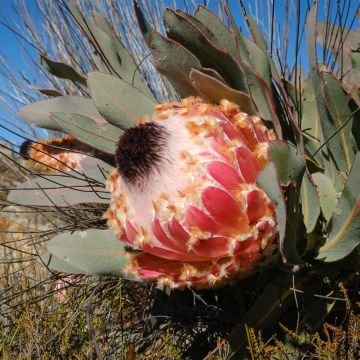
(99, 136)
(118, 102)
(61, 70)
(96, 252)
(312, 176)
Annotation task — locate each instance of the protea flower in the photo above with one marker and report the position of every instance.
(184, 194)
(62, 153)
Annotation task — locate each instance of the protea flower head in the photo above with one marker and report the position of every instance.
(184, 194)
(62, 153)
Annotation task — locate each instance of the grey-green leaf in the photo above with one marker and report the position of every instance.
(344, 226)
(310, 203)
(341, 106)
(120, 103)
(288, 162)
(328, 124)
(61, 70)
(97, 252)
(183, 31)
(100, 136)
(39, 113)
(215, 90)
(268, 180)
(175, 62)
(60, 190)
(54, 263)
(327, 194)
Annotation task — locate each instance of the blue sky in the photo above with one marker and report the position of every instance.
(9, 42)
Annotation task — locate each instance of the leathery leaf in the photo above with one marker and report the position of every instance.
(55, 264)
(215, 90)
(120, 103)
(288, 162)
(344, 226)
(328, 124)
(96, 252)
(61, 70)
(310, 203)
(327, 194)
(100, 136)
(175, 62)
(39, 113)
(63, 190)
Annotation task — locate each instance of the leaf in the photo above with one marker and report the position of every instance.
(328, 124)
(214, 90)
(39, 113)
(144, 27)
(288, 162)
(100, 136)
(218, 29)
(310, 123)
(187, 34)
(256, 67)
(310, 203)
(341, 107)
(268, 180)
(98, 169)
(288, 215)
(59, 190)
(97, 252)
(256, 32)
(327, 194)
(113, 54)
(130, 71)
(61, 70)
(51, 261)
(102, 23)
(260, 41)
(200, 26)
(120, 103)
(175, 62)
(48, 92)
(344, 226)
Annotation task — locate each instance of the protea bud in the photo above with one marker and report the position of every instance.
(62, 153)
(184, 194)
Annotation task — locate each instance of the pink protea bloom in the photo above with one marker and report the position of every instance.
(62, 153)
(184, 194)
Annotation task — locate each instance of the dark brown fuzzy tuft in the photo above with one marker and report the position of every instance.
(139, 151)
(25, 149)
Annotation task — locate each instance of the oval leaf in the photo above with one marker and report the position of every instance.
(120, 103)
(175, 62)
(310, 203)
(344, 226)
(215, 90)
(97, 252)
(327, 194)
(61, 70)
(60, 190)
(51, 261)
(288, 162)
(103, 137)
(39, 113)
